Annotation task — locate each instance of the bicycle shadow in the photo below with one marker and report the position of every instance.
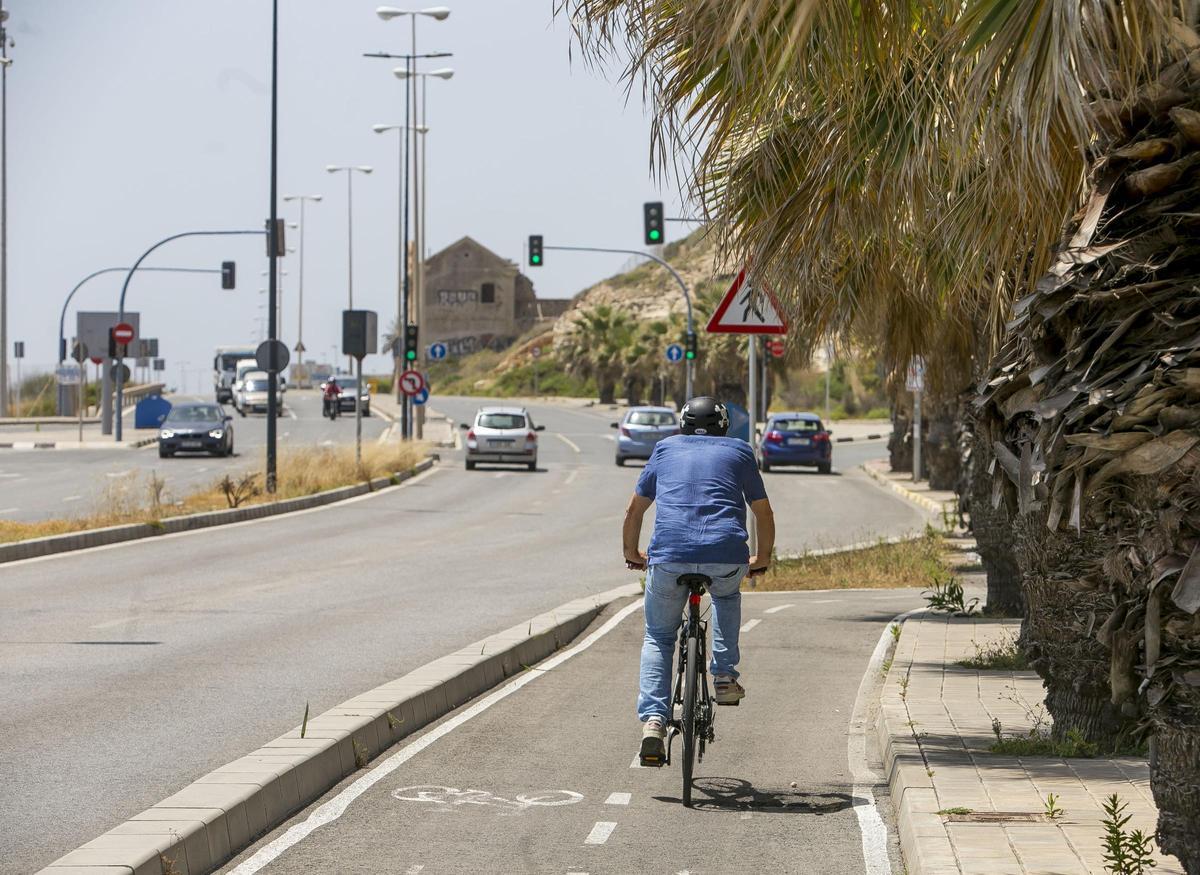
(735, 794)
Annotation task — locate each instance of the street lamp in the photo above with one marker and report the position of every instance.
(5, 61)
(437, 13)
(349, 170)
(288, 198)
(420, 199)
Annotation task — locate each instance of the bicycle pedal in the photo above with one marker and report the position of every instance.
(730, 704)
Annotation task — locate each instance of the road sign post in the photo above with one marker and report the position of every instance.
(360, 337)
(914, 381)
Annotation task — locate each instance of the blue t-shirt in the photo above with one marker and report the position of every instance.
(701, 485)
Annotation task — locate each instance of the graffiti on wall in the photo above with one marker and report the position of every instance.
(457, 297)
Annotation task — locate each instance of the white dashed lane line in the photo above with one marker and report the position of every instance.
(70, 498)
(750, 624)
(600, 832)
(618, 799)
(825, 602)
(777, 609)
(566, 440)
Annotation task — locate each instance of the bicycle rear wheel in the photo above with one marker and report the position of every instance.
(689, 717)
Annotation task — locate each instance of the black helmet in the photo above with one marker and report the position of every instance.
(704, 415)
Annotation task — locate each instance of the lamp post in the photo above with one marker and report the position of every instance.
(5, 61)
(288, 198)
(402, 266)
(387, 13)
(349, 170)
(419, 201)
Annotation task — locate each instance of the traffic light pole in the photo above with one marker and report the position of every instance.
(687, 298)
(125, 289)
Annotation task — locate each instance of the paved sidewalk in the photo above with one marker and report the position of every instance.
(935, 728)
(439, 428)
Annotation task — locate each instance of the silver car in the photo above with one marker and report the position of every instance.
(502, 434)
(641, 429)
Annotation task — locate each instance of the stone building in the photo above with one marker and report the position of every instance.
(474, 299)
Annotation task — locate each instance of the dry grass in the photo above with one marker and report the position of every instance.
(908, 564)
(141, 498)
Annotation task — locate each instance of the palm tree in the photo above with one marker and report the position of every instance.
(597, 347)
(908, 166)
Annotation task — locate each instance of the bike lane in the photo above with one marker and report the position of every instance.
(543, 780)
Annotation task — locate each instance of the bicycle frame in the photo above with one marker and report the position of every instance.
(693, 625)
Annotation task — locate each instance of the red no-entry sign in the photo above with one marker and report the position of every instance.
(123, 332)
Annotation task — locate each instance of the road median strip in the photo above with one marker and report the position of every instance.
(87, 538)
(211, 820)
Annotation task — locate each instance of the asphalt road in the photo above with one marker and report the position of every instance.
(131, 670)
(541, 782)
(47, 484)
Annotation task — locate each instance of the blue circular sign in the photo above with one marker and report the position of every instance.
(674, 352)
(437, 351)
(421, 397)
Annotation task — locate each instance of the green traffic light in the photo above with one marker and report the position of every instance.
(411, 355)
(654, 234)
(690, 354)
(536, 259)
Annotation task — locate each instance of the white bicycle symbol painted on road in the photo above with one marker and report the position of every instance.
(451, 798)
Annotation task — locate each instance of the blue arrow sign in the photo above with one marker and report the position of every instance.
(674, 352)
(421, 397)
(437, 351)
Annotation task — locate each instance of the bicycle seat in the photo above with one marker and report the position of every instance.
(697, 584)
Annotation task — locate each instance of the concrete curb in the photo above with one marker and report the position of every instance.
(916, 498)
(850, 548)
(923, 838)
(867, 437)
(76, 445)
(36, 547)
(214, 818)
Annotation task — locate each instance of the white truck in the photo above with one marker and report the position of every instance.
(225, 367)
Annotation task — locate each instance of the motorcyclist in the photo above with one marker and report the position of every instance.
(333, 393)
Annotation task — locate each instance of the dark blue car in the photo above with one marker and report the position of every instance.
(796, 439)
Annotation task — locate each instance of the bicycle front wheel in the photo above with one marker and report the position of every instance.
(690, 716)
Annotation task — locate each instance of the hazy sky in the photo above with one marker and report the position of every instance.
(130, 120)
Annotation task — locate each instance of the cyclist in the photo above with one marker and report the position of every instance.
(702, 481)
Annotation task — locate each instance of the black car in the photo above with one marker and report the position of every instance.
(205, 428)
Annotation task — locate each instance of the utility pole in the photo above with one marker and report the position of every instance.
(5, 61)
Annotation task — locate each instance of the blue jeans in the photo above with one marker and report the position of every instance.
(664, 614)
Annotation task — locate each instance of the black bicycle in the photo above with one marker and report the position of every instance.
(695, 722)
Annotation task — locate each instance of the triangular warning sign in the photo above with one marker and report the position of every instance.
(743, 312)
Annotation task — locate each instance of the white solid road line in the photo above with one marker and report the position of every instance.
(618, 799)
(777, 609)
(72, 498)
(750, 624)
(571, 475)
(336, 807)
(600, 832)
(874, 832)
(826, 601)
(566, 440)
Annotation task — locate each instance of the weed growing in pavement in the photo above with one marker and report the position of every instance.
(393, 720)
(1000, 655)
(304, 722)
(1052, 810)
(904, 688)
(1072, 746)
(886, 667)
(238, 492)
(958, 809)
(167, 864)
(894, 628)
(996, 728)
(360, 754)
(1126, 852)
(948, 597)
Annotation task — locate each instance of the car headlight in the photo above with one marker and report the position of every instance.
(166, 434)
(216, 433)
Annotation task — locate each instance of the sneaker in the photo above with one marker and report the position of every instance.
(654, 752)
(728, 691)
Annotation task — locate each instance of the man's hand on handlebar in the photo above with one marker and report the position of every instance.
(757, 570)
(635, 560)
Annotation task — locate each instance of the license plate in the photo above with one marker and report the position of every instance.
(191, 445)
(799, 442)
(502, 443)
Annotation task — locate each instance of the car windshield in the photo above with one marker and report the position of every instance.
(651, 417)
(347, 383)
(798, 425)
(501, 420)
(256, 385)
(205, 413)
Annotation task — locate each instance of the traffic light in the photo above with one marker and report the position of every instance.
(228, 275)
(410, 344)
(652, 215)
(535, 250)
(689, 346)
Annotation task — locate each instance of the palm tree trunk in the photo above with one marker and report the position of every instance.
(991, 525)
